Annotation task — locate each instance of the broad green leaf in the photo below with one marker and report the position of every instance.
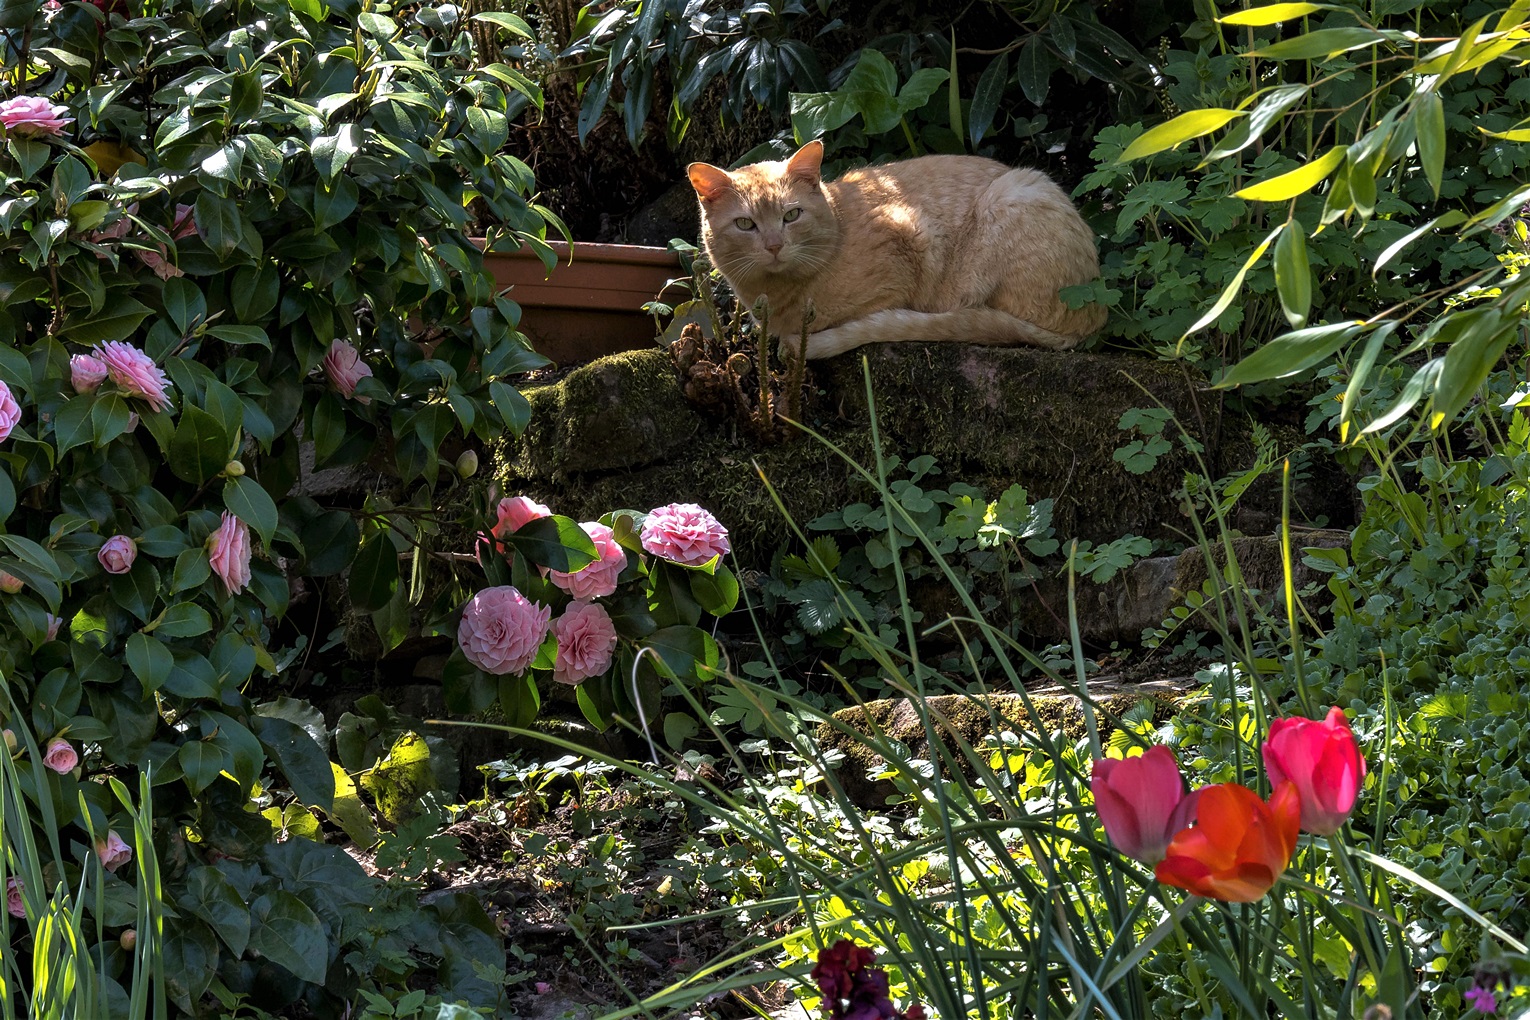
(1294, 182)
(349, 812)
(556, 542)
(1293, 274)
(284, 930)
(330, 541)
(300, 758)
(248, 500)
(184, 619)
(213, 898)
(512, 406)
(72, 425)
(986, 98)
(374, 574)
(332, 152)
(1429, 122)
(1189, 125)
(717, 592)
(201, 762)
(1272, 14)
(149, 660)
(509, 22)
(1320, 44)
(116, 321)
(200, 447)
(1290, 353)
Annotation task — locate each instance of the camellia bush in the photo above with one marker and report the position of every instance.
(234, 249)
(626, 622)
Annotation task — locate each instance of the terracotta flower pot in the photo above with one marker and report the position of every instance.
(590, 307)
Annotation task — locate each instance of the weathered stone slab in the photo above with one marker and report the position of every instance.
(618, 433)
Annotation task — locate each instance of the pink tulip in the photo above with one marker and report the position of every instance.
(1142, 802)
(1324, 762)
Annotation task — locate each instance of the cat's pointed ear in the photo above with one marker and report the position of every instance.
(807, 163)
(708, 180)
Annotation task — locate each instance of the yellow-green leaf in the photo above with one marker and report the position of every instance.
(1430, 127)
(1293, 275)
(1188, 125)
(1231, 290)
(1295, 182)
(1274, 14)
(1321, 44)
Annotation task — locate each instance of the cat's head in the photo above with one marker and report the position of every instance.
(767, 219)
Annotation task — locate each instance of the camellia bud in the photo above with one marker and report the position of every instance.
(234, 469)
(467, 464)
(128, 939)
(10, 742)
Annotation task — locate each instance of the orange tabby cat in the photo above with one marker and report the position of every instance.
(936, 248)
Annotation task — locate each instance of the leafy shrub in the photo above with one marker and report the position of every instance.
(256, 213)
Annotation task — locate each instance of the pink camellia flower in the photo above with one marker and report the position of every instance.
(10, 412)
(514, 513)
(132, 422)
(13, 905)
(33, 117)
(86, 373)
(684, 533)
(54, 623)
(1324, 762)
(60, 756)
(10, 583)
(586, 639)
(1142, 802)
(597, 579)
(112, 852)
(135, 373)
(344, 367)
(117, 554)
(501, 630)
(228, 550)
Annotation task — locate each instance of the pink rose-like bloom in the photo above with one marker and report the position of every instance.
(10, 412)
(135, 373)
(86, 373)
(345, 369)
(684, 533)
(112, 852)
(13, 905)
(1142, 802)
(514, 513)
(117, 554)
(10, 583)
(228, 550)
(33, 116)
(60, 756)
(597, 579)
(54, 623)
(586, 639)
(501, 630)
(1324, 762)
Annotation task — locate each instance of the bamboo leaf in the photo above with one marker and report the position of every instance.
(1232, 288)
(1295, 182)
(1430, 127)
(1274, 14)
(1293, 275)
(1290, 353)
(1320, 45)
(1188, 125)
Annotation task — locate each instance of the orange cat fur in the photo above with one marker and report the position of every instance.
(954, 248)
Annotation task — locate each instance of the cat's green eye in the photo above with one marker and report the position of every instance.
(791, 214)
(744, 223)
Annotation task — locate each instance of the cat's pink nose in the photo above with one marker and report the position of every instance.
(774, 248)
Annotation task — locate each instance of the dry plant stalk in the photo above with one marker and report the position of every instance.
(716, 366)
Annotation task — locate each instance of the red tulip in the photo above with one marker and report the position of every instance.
(1324, 762)
(1239, 846)
(1141, 802)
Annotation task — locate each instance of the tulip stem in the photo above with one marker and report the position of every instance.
(1078, 658)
